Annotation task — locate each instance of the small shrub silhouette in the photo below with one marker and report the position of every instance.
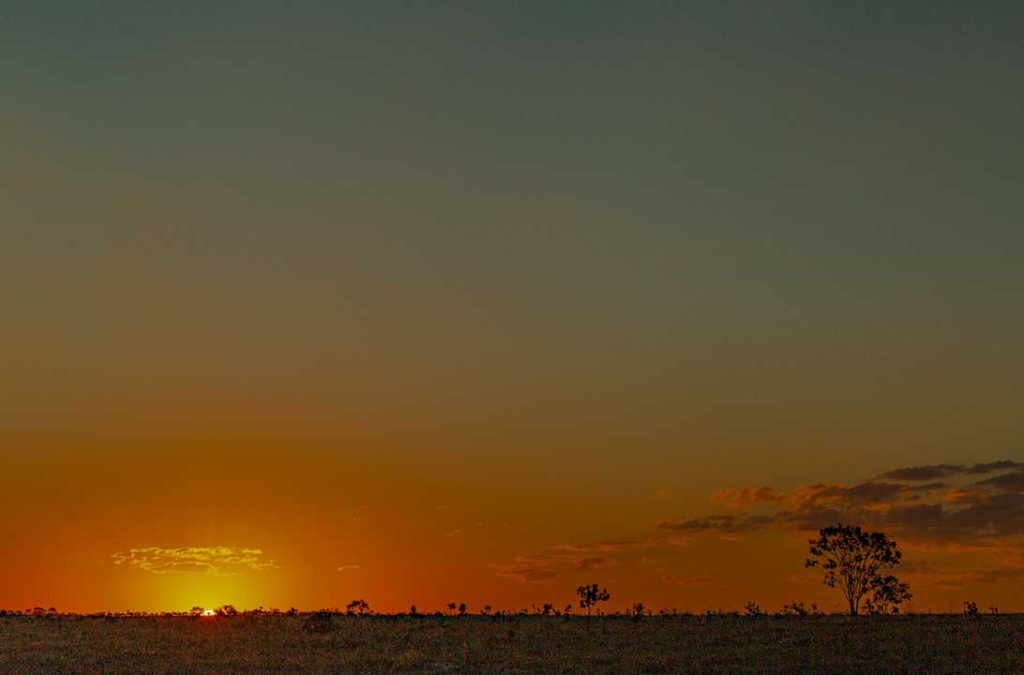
(799, 609)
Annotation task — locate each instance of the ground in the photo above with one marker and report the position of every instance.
(686, 644)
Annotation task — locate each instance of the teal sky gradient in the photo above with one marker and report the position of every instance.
(723, 192)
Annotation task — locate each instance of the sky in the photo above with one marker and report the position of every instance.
(478, 302)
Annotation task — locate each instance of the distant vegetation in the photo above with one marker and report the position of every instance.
(854, 561)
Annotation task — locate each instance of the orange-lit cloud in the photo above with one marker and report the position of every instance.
(528, 568)
(549, 563)
(220, 560)
(980, 504)
(736, 498)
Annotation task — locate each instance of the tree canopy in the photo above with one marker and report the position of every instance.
(855, 562)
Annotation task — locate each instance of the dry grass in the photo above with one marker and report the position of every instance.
(722, 644)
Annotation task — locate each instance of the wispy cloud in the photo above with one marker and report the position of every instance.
(592, 562)
(934, 471)
(619, 545)
(220, 560)
(727, 523)
(928, 573)
(528, 569)
(346, 568)
(549, 563)
(737, 498)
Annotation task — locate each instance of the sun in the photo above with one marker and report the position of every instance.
(208, 612)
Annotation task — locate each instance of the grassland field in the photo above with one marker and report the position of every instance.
(473, 644)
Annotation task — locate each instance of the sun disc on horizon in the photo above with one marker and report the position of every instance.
(208, 612)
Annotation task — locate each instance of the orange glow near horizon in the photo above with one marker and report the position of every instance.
(478, 302)
(298, 533)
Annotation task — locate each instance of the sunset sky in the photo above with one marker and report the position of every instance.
(440, 302)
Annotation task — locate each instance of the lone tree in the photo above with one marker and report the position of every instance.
(359, 607)
(854, 561)
(591, 595)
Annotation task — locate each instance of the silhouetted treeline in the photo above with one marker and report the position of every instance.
(546, 611)
(853, 560)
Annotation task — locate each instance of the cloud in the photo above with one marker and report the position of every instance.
(591, 563)
(616, 546)
(736, 498)
(977, 506)
(220, 560)
(528, 569)
(549, 563)
(725, 523)
(345, 568)
(933, 471)
(453, 533)
(978, 503)
(931, 574)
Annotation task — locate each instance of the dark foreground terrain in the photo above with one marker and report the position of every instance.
(717, 644)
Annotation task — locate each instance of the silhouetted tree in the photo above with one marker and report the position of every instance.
(591, 595)
(889, 593)
(853, 561)
(359, 607)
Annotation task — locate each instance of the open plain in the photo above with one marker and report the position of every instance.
(431, 644)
